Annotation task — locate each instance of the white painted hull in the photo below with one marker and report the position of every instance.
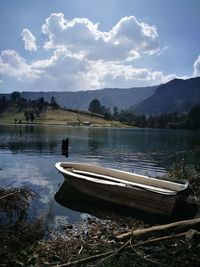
(128, 189)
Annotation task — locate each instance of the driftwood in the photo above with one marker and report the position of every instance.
(10, 194)
(113, 253)
(175, 227)
(164, 238)
(179, 226)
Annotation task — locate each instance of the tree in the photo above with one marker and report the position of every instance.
(115, 113)
(15, 96)
(95, 106)
(107, 114)
(40, 104)
(194, 117)
(27, 115)
(32, 117)
(3, 103)
(53, 103)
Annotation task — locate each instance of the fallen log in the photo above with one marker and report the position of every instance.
(10, 194)
(163, 238)
(127, 244)
(175, 227)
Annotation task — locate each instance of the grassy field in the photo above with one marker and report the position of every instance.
(9, 117)
(59, 117)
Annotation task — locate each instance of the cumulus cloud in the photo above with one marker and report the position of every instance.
(128, 39)
(197, 67)
(29, 40)
(81, 56)
(119, 75)
(63, 71)
(66, 71)
(13, 65)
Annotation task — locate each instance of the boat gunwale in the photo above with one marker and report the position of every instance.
(154, 189)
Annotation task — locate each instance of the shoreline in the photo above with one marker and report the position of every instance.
(70, 126)
(110, 242)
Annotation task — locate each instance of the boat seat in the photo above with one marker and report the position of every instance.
(127, 183)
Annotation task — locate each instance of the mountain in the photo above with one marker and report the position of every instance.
(175, 96)
(109, 97)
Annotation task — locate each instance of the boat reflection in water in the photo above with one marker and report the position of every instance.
(72, 199)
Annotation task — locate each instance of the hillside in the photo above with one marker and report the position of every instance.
(175, 96)
(58, 117)
(122, 98)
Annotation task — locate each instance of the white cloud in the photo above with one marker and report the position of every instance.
(13, 65)
(29, 40)
(128, 39)
(66, 71)
(197, 67)
(100, 58)
(62, 71)
(119, 75)
(83, 57)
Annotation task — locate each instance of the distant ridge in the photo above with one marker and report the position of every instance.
(174, 96)
(109, 97)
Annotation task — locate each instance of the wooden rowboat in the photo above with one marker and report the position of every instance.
(127, 189)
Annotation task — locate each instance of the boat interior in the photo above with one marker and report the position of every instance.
(100, 174)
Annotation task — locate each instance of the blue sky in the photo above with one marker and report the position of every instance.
(69, 45)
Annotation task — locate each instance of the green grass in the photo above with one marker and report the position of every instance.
(9, 116)
(58, 117)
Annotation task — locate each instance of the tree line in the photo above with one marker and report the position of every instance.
(174, 120)
(31, 108)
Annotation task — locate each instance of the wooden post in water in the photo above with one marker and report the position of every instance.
(65, 147)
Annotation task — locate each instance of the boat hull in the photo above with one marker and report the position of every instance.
(122, 193)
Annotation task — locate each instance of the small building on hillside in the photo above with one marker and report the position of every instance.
(87, 123)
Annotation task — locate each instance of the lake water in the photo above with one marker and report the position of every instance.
(28, 154)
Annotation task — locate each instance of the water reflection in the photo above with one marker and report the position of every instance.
(19, 138)
(74, 200)
(28, 154)
(27, 139)
(138, 150)
(93, 145)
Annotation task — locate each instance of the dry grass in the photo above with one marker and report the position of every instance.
(9, 116)
(92, 242)
(59, 117)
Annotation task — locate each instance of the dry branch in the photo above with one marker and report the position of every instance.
(10, 194)
(94, 257)
(179, 226)
(163, 238)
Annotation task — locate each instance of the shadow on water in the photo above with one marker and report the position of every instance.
(73, 199)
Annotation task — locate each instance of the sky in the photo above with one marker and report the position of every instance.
(71, 45)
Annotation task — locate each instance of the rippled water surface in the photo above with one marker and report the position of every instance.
(28, 155)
